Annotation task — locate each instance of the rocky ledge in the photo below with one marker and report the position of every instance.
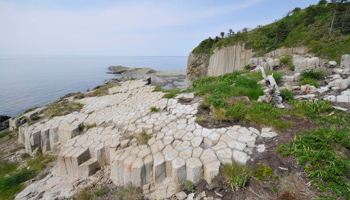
(167, 79)
(176, 149)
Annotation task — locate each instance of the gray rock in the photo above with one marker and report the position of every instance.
(302, 64)
(345, 61)
(332, 63)
(181, 195)
(341, 83)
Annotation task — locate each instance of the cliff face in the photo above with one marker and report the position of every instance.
(229, 59)
(197, 65)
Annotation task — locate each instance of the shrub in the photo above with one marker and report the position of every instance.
(132, 79)
(309, 81)
(79, 96)
(35, 118)
(263, 172)
(318, 75)
(189, 186)
(84, 194)
(247, 67)
(285, 60)
(292, 67)
(236, 175)
(287, 95)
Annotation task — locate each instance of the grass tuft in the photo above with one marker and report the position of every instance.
(236, 175)
(129, 193)
(154, 109)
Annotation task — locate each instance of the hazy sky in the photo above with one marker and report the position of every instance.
(127, 28)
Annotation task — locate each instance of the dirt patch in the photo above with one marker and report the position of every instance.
(190, 101)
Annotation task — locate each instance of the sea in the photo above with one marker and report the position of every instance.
(30, 81)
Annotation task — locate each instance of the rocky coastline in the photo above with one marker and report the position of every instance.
(167, 79)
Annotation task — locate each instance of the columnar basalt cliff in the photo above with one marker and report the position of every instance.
(229, 59)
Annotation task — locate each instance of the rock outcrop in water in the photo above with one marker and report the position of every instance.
(169, 79)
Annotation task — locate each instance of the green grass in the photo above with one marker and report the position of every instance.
(292, 67)
(154, 109)
(317, 75)
(247, 67)
(101, 191)
(308, 27)
(84, 194)
(62, 107)
(7, 168)
(4, 133)
(309, 81)
(287, 95)
(13, 183)
(35, 118)
(129, 193)
(189, 186)
(321, 153)
(236, 175)
(89, 126)
(286, 59)
(171, 93)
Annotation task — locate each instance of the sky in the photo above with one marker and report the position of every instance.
(127, 28)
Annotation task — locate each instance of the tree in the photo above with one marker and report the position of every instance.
(222, 34)
(322, 2)
(230, 32)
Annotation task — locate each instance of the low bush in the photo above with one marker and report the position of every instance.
(309, 81)
(287, 95)
(292, 67)
(247, 67)
(101, 191)
(189, 186)
(317, 75)
(286, 59)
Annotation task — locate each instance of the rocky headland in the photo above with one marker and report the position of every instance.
(167, 79)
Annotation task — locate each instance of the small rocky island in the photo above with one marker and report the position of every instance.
(167, 79)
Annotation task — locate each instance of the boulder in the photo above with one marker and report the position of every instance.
(345, 61)
(4, 122)
(341, 83)
(332, 64)
(197, 65)
(302, 64)
(255, 61)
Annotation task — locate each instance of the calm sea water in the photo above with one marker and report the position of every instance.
(26, 82)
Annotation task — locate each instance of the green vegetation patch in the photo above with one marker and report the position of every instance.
(321, 152)
(236, 175)
(4, 133)
(62, 107)
(154, 109)
(308, 27)
(129, 193)
(13, 182)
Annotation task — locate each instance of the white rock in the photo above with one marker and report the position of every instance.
(181, 195)
(332, 63)
(345, 61)
(240, 157)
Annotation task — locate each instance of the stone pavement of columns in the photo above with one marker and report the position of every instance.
(179, 148)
